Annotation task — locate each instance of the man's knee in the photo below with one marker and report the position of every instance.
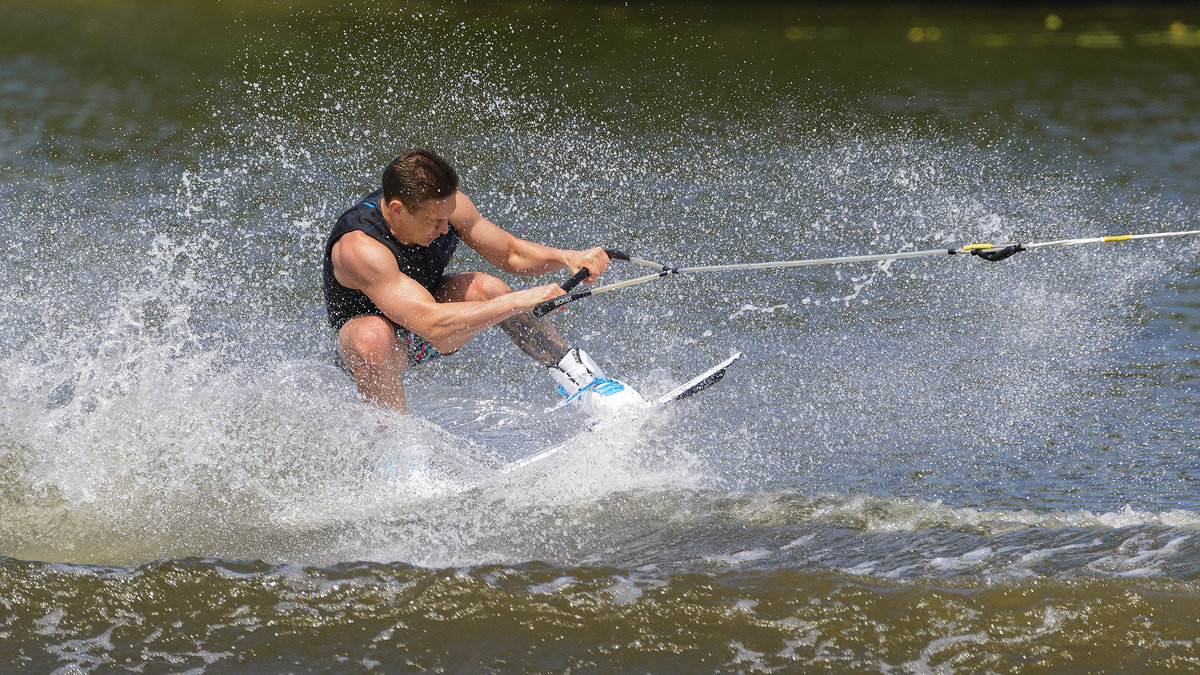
(376, 359)
(371, 340)
(470, 287)
(486, 287)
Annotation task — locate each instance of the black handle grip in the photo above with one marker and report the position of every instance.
(548, 306)
(554, 303)
(582, 274)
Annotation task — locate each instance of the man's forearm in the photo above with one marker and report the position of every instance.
(450, 325)
(528, 258)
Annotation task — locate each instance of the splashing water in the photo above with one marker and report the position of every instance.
(1004, 451)
(198, 406)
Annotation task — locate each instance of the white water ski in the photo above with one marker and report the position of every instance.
(698, 383)
(526, 461)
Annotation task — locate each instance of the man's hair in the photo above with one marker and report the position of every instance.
(416, 176)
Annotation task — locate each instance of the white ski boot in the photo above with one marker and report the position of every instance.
(581, 381)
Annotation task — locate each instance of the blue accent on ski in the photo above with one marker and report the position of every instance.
(600, 385)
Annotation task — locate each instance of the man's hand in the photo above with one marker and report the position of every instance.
(532, 297)
(595, 259)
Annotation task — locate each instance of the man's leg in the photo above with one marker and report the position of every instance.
(535, 336)
(570, 368)
(376, 358)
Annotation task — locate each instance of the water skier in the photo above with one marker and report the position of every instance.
(392, 305)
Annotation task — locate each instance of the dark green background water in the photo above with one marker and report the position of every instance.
(941, 465)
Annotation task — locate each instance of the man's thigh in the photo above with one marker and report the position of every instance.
(469, 287)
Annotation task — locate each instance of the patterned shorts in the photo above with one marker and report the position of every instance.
(418, 348)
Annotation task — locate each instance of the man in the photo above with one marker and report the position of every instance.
(393, 306)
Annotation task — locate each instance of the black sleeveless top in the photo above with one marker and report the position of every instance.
(424, 264)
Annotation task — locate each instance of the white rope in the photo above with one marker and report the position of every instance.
(1004, 249)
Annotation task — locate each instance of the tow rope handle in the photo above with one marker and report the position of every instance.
(582, 274)
(548, 306)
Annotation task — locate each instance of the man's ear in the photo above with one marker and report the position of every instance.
(397, 207)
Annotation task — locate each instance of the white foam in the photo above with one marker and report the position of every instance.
(745, 657)
(1135, 557)
(970, 559)
(742, 557)
(875, 514)
(934, 651)
(624, 591)
(553, 586)
(752, 309)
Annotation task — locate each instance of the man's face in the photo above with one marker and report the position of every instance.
(428, 221)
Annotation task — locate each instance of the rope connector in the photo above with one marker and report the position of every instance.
(997, 254)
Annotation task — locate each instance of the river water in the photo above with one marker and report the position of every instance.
(942, 465)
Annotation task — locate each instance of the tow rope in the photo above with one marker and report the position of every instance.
(988, 252)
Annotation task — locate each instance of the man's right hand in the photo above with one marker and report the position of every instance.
(532, 297)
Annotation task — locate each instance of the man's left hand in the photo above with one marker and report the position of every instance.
(595, 259)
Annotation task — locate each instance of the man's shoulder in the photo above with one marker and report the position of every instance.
(359, 258)
(361, 217)
(466, 214)
(356, 245)
(364, 211)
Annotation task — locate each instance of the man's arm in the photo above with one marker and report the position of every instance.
(518, 256)
(361, 263)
